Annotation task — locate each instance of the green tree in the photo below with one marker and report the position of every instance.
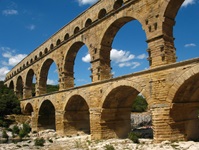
(140, 104)
(9, 103)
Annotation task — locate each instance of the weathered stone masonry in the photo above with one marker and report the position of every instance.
(102, 108)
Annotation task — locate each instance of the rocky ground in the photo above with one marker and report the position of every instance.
(83, 142)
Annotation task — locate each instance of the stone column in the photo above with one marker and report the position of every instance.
(40, 87)
(59, 115)
(34, 121)
(27, 92)
(159, 31)
(162, 125)
(95, 126)
(67, 80)
(100, 61)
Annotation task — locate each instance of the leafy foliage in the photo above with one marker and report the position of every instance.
(9, 103)
(39, 141)
(134, 137)
(140, 104)
(109, 147)
(49, 88)
(52, 88)
(24, 131)
(4, 134)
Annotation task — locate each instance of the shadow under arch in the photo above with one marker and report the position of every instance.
(43, 76)
(46, 118)
(29, 84)
(28, 109)
(116, 112)
(76, 117)
(19, 87)
(186, 99)
(11, 85)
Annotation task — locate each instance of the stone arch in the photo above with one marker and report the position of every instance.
(28, 84)
(58, 42)
(44, 74)
(102, 13)
(35, 57)
(51, 47)
(88, 22)
(118, 4)
(107, 39)
(66, 37)
(184, 97)
(46, 119)
(116, 109)
(11, 85)
(70, 60)
(19, 87)
(76, 117)
(40, 54)
(28, 109)
(76, 30)
(180, 81)
(46, 50)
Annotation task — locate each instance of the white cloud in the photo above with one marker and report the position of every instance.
(119, 56)
(14, 60)
(190, 45)
(86, 58)
(31, 27)
(3, 72)
(51, 82)
(84, 2)
(188, 2)
(142, 56)
(10, 12)
(133, 65)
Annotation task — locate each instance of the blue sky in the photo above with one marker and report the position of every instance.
(25, 24)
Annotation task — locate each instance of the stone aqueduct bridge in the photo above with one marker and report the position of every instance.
(102, 108)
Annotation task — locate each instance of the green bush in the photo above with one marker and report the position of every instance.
(9, 103)
(15, 129)
(134, 137)
(39, 141)
(24, 131)
(4, 134)
(140, 104)
(109, 147)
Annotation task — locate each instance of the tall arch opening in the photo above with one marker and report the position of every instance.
(77, 65)
(76, 117)
(28, 109)
(19, 88)
(127, 47)
(46, 119)
(116, 116)
(30, 84)
(11, 86)
(48, 81)
(186, 100)
(186, 32)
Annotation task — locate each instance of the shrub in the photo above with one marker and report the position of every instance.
(4, 134)
(109, 147)
(24, 131)
(15, 129)
(134, 137)
(140, 104)
(39, 141)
